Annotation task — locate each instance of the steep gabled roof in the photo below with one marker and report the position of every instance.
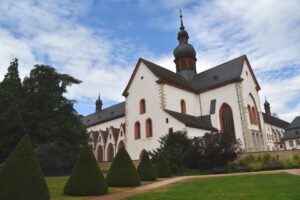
(166, 75)
(202, 122)
(293, 130)
(107, 114)
(275, 121)
(220, 75)
(295, 124)
(115, 132)
(104, 135)
(224, 73)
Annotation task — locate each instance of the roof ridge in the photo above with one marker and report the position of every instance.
(163, 68)
(105, 109)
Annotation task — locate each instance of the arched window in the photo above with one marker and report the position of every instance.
(250, 114)
(100, 154)
(183, 106)
(254, 114)
(226, 121)
(110, 152)
(142, 106)
(137, 130)
(121, 145)
(148, 128)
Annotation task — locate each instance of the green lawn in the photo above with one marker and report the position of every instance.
(246, 187)
(57, 183)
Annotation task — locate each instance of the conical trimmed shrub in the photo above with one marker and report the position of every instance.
(145, 169)
(21, 176)
(86, 178)
(162, 167)
(122, 172)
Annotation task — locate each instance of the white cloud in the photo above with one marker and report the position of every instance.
(50, 31)
(267, 31)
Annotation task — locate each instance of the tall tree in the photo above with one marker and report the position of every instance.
(11, 122)
(50, 119)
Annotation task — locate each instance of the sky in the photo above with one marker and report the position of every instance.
(100, 42)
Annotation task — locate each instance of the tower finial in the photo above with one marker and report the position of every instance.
(181, 22)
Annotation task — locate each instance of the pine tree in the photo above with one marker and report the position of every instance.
(122, 172)
(86, 178)
(12, 125)
(21, 176)
(146, 170)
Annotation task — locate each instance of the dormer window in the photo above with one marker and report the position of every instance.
(142, 106)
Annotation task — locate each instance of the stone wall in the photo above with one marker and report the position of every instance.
(281, 154)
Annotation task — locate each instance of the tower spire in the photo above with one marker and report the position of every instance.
(181, 22)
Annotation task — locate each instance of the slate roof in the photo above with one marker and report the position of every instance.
(293, 130)
(275, 121)
(115, 132)
(104, 135)
(202, 122)
(295, 124)
(224, 73)
(166, 74)
(107, 114)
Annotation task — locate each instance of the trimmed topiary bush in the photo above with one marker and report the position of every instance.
(145, 169)
(162, 167)
(21, 176)
(86, 178)
(122, 172)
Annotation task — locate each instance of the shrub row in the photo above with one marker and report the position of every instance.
(22, 172)
(264, 162)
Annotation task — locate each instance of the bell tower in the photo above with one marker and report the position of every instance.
(185, 54)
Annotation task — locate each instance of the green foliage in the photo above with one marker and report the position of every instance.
(176, 147)
(145, 169)
(213, 150)
(12, 127)
(86, 178)
(38, 106)
(21, 176)
(122, 172)
(50, 118)
(162, 167)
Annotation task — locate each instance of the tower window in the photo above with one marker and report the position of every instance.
(142, 106)
(167, 120)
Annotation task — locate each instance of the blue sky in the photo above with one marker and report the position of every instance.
(99, 42)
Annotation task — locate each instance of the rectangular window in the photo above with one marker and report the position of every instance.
(291, 143)
(298, 141)
(213, 106)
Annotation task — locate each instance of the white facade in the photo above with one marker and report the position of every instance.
(239, 95)
(292, 144)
